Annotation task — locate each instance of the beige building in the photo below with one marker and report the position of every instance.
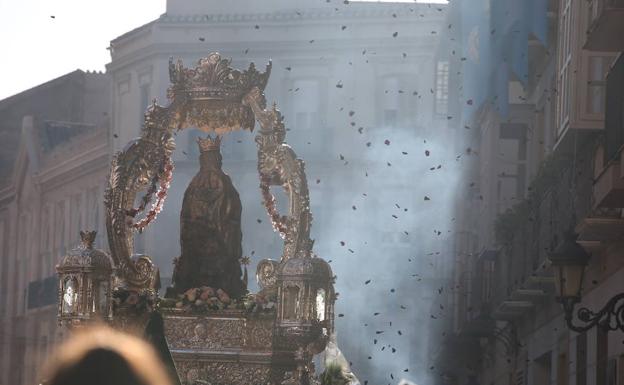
(550, 165)
(53, 182)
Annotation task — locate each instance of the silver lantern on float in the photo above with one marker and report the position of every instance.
(85, 284)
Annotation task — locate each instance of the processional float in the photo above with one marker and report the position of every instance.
(208, 326)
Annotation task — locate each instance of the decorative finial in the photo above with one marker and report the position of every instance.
(209, 144)
(87, 237)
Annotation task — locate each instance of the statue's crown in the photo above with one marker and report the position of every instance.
(214, 80)
(209, 144)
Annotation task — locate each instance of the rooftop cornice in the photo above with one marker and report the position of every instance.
(399, 13)
(383, 46)
(356, 12)
(133, 33)
(67, 78)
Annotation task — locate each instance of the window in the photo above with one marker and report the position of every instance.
(602, 356)
(487, 282)
(594, 11)
(59, 219)
(512, 148)
(581, 359)
(612, 372)
(123, 84)
(306, 103)
(45, 245)
(598, 66)
(76, 225)
(391, 103)
(93, 213)
(390, 118)
(397, 104)
(562, 369)
(144, 91)
(46, 227)
(441, 98)
(614, 118)
(542, 369)
(520, 377)
(4, 262)
(565, 58)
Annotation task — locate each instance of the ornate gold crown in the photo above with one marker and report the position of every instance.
(214, 80)
(210, 95)
(209, 144)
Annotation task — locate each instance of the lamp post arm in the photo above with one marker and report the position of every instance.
(610, 317)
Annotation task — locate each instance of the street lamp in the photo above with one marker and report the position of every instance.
(569, 261)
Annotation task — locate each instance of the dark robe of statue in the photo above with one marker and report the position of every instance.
(210, 228)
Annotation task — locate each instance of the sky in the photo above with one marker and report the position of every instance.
(37, 48)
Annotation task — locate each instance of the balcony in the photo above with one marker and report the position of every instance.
(532, 229)
(604, 226)
(510, 310)
(605, 29)
(609, 187)
(476, 320)
(581, 78)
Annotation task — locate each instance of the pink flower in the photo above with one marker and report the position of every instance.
(206, 292)
(223, 296)
(191, 294)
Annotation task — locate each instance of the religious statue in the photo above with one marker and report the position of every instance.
(210, 228)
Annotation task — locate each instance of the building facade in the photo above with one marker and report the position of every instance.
(56, 163)
(546, 137)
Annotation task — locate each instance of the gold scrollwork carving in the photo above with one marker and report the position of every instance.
(205, 333)
(223, 373)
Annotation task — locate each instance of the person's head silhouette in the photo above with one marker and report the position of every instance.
(101, 356)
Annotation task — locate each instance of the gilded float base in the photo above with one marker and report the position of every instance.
(225, 347)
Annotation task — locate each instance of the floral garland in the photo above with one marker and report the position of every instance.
(205, 299)
(165, 181)
(147, 198)
(278, 221)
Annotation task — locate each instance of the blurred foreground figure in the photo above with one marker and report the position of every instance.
(337, 368)
(102, 356)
